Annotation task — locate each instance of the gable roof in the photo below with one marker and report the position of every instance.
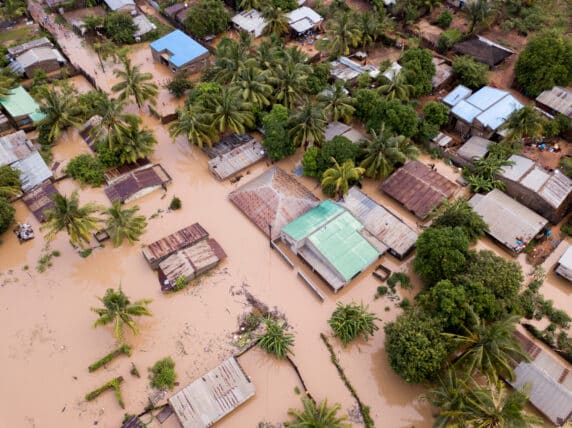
(558, 99)
(303, 19)
(183, 49)
(20, 49)
(40, 200)
(34, 56)
(115, 5)
(13, 147)
(474, 148)
(457, 95)
(143, 24)
(135, 183)
(33, 171)
(20, 103)
(483, 50)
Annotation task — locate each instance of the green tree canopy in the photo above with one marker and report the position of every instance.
(124, 223)
(339, 148)
(120, 27)
(526, 122)
(351, 321)
(276, 139)
(316, 415)
(275, 339)
(207, 17)
(419, 68)
(9, 181)
(469, 72)
(399, 117)
(338, 179)
(459, 213)
(436, 113)
(6, 214)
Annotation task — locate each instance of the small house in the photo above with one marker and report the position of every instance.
(180, 52)
(250, 21)
(483, 50)
(473, 149)
(144, 26)
(231, 157)
(44, 58)
(339, 129)
(123, 6)
(303, 20)
(564, 266)
(346, 70)
(21, 108)
(332, 241)
(549, 193)
(137, 183)
(443, 73)
(419, 188)
(556, 100)
(510, 223)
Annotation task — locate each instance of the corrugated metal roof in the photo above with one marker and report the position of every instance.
(393, 70)
(171, 11)
(556, 189)
(143, 24)
(564, 267)
(333, 129)
(212, 396)
(474, 148)
(483, 50)
(508, 219)
(311, 221)
(457, 95)
(20, 49)
(251, 21)
(37, 55)
(20, 103)
(40, 200)
(13, 147)
(535, 179)
(465, 111)
(521, 165)
(498, 113)
(228, 164)
(303, 19)
(33, 171)
(486, 97)
(558, 99)
(183, 49)
(130, 185)
(115, 5)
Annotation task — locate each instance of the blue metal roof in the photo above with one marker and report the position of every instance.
(486, 97)
(456, 95)
(497, 114)
(467, 112)
(183, 49)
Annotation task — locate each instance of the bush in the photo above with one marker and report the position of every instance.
(207, 17)
(107, 156)
(179, 84)
(448, 38)
(120, 28)
(10, 181)
(276, 340)
(436, 113)
(175, 204)
(418, 63)
(318, 80)
(310, 162)
(276, 139)
(6, 214)
(87, 169)
(339, 148)
(163, 374)
(444, 20)
(469, 72)
(351, 321)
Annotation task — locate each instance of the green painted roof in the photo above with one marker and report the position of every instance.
(20, 103)
(312, 220)
(342, 245)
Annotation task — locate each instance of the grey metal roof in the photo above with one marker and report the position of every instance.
(564, 267)
(465, 111)
(508, 219)
(14, 147)
(303, 19)
(20, 49)
(115, 5)
(143, 24)
(521, 166)
(33, 171)
(345, 69)
(497, 114)
(36, 55)
(333, 129)
(251, 21)
(474, 148)
(558, 99)
(457, 95)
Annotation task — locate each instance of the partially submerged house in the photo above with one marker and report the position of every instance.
(14, 147)
(250, 21)
(564, 265)
(190, 262)
(159, 250)
(483, 50)
(397, 236)
(137, 183)
(556, 100)
(303, 20)
(272, 200)
(473, 149)
(347, 70)
(332, 241)
(510, 223)
(123, 6)
(547, 381)
(547, 193)
(21, 108)
(419, 188)
(180, 52)
(212, 396)
(481, 113)
(39, 54)
(233, 154)
(339, 129)
(40, 200)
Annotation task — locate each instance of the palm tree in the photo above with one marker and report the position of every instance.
(490, 349)
(118, 309)
(351, 321)
(265, 55)
(252, 84)
(229, 58)
(337, 103)
(276, 21)
(9, 182)
(7, 83)
(113, 122)
(134, 84)
(449, 394)
(78, 221)
(372, 25)
(105, 49)
(228, 111)
(342, 34)
(397, 87)
(60, 109)
(275, 340)
(315, 415)
(490, 406)
(134, 142)
(526, 122)
(341, 176)
(479, 12)
(192, 122)
(249, 4)
(290, 83)
(384, 152)
(308, 126)
(14, 8)
(123, 223)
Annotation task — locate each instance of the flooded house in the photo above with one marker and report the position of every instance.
(347, 70)
(180, 52)
(549, 193)
(556, 100)
(212, 396)
(303, 20)
(483, 50)
(272, 200)
(564, 265)
(22, 110)
(475, 148)
(137, 183)
(333, 243)
(339, 129)
(419, 188)
(41, 199)
(39, 54)
(123, 6)
(250, 21)
(144, 26)
(234, 154)
(510, 223)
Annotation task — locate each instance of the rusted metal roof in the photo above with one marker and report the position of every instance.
(113, 174)
(137, 183)
(40, 200)
(159, 250)
(212, 396)
(380, 222)
(239, 158)
(274, 199)
(190, 262)
(418, 187)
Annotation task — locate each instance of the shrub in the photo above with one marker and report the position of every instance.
(444, 20)
(163, 374)
(276, 139)
(418, 63)
(351, 321)
(401, 278)
(276, 340)
(469, 72)
(566, 166)
(87, 169)
(207, 17)
(436, 113)
(120, 28)
(175, 204)
(179, 84)
(448, 38)
(6, 214)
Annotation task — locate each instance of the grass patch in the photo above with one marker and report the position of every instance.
(18, 35)
(112, 384)
(163, 374)
(122, 350)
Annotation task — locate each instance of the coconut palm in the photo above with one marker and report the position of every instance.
(449, 394)
(265, 55)
(315, 415)
(491, 406)
(135, 84)
(67, 214)
(384, 152)
(249, 4)
(290, 83)
(490, 349)
(105, 50)
(308, 126)
(192, 122)
(123, 223)
(133, 142)
(479, 12)
(7, 83)
(342, 33)
(526, 122)
(275, 339)
(276, 21)
(113, 121)
(60, 109)
(337, 103)
(340, 177)
(397, 87)
(351, 321)
(118, 309)
(229, 58)
(252, 84)
(227, 111)
(13, 8)
(371, 26)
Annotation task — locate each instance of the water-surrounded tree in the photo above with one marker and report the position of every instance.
(275, 339)
(314, 415)
(229, 58)
(113, 120)
(77, 220)
(193, 123)
(227, 111)
(449, 394)
(276, 21)
(252, 84)
(337, 103)
(105, 50)
(135, 84)
(341, 177)
(384, 152)
(60, 109)
(350, 321)
(459, 213)
(119, 310)
(9, 182)
(307, 126)
(124, 223)
(134, 142)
